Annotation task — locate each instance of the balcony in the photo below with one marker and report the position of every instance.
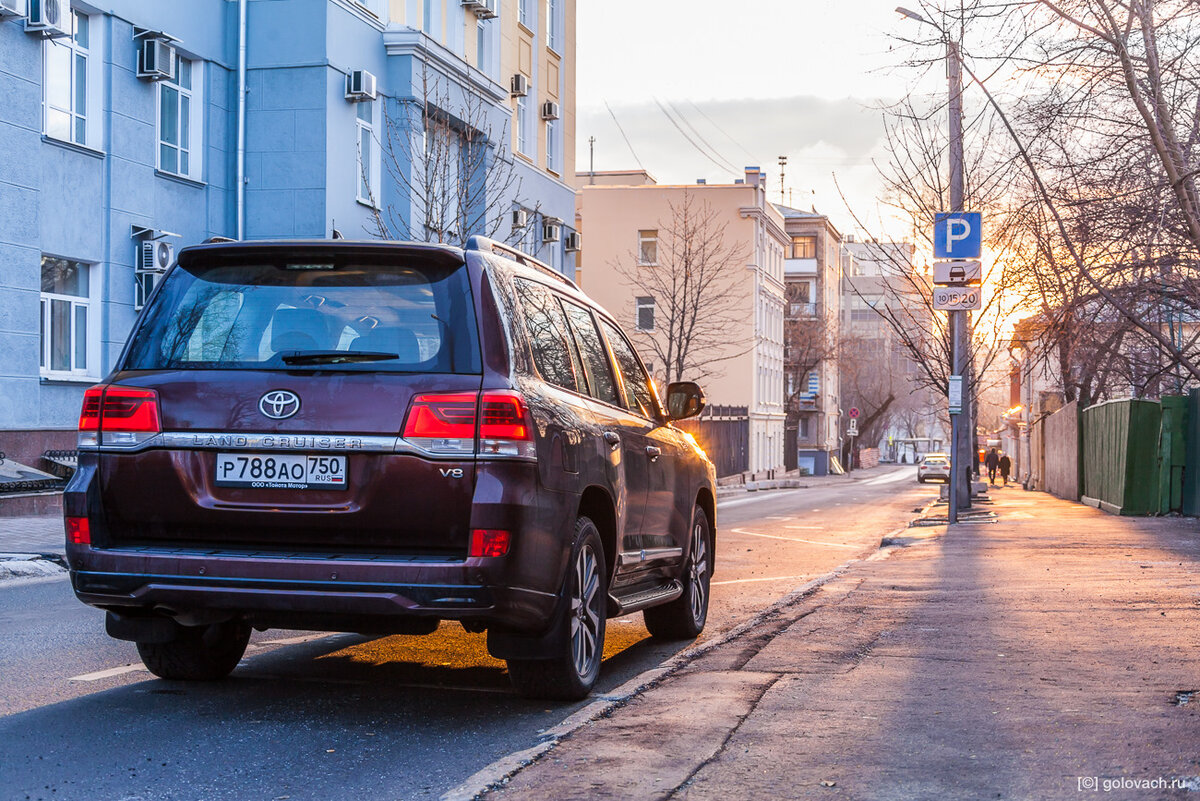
(802, 310)
(799, 267)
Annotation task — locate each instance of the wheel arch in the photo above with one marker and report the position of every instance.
(706, 501)
(598, 505)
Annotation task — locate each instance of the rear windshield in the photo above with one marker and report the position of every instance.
(357, 314)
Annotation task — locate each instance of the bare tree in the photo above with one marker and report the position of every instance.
(696, 286)
(450, 161)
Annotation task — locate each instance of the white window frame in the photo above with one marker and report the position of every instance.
(369, 128)
(90, 370)
(93, 61)
(522, 122)
(645, 302)
(552, 159)
(643, 240)
(553, 7)
(195, 119)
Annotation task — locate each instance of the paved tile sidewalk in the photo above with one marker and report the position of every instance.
(1052, 653)
(39, 534)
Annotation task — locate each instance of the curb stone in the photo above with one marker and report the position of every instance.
(30, 565)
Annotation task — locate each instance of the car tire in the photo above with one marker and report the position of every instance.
(570, 675)
(920, 480)
(684, 618)
(199, 653)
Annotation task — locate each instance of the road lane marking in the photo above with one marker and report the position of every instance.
(793, 539)
(297, 640)
(748, 581)
(108, 674)
(817, 528)
(758, 497)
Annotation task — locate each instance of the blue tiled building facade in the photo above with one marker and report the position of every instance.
(103, 171)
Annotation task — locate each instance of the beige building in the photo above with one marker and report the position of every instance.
(631, 230)
(813, 271)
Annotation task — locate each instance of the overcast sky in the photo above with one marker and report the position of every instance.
(747, 82)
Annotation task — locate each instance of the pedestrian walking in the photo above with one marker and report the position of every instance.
(1005, 468)
(992, 461)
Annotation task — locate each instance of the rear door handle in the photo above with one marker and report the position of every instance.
(612, 438)
(653, 452)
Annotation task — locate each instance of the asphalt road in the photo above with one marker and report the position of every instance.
(315, 716)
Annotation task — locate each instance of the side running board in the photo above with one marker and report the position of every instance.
(652, 596)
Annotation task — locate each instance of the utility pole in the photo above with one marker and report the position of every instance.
(782, 165)
(962, 429)
(961, 432)
(591, 159)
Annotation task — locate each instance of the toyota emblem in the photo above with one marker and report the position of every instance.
(279, 404)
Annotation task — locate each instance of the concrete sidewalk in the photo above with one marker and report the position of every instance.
(1047, 654)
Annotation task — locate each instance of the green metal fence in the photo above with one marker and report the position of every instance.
(1120, 453)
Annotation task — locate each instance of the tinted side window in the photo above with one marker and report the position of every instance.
(595, 357)
(639, 397)
(548, 335)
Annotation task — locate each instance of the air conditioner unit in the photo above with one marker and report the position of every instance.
(49, 18)
(550, 110)
(360, 86)
(519, 86)
(551, 232)
(156, 59)
(12, 8)
(157, 256)
(574, 242)
(520, 219)
(472, 5)
(486, 9)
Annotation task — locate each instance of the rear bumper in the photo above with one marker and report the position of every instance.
(323, 594)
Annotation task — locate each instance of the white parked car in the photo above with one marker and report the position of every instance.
(934, 466)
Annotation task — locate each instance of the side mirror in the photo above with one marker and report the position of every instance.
(684, 399)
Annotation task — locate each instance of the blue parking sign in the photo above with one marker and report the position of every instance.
(958, 235)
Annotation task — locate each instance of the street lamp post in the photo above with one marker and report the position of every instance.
(962, 448)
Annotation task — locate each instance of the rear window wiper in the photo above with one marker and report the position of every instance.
(335, 356)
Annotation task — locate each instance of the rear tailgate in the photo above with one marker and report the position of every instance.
(283, 381)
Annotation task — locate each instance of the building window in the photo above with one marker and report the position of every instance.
(178, 127)
(522, 125)
(648, 247)
(645, 314)
(368, 160)
(427, 16)
(523, 13)
(552, 146)
(67, 62)
(552, 10)
(65, 306)
(480, 46)
(804, 247)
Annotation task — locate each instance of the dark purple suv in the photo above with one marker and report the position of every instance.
(375, 437)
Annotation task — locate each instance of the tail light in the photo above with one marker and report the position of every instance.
(504, 425)
(79, 531)
(490, 542)
(443, 424)
(122, 417)
(461, 424)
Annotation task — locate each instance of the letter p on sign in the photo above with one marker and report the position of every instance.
(958, 235)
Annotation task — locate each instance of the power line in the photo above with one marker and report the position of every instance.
(684, 134)
(751, 156)
(623, 136)
(717, 153)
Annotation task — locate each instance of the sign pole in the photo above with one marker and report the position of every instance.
(960, 488)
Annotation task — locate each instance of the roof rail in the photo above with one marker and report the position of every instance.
(492, 246)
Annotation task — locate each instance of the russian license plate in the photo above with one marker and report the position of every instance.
(281, 471)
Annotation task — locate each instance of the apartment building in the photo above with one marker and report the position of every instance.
(130, 129)
(812, 273)
(632, 234)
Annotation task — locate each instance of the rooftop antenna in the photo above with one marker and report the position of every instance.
(591, 159)
(782, 166)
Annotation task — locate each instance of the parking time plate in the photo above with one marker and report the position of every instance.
(281, 471)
